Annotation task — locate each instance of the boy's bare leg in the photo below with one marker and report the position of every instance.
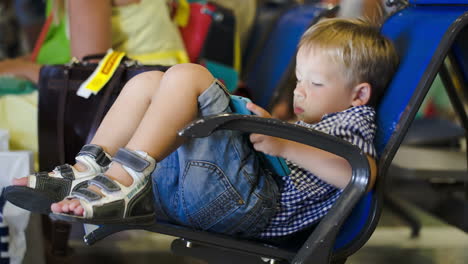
(172, 107)
(123, 117)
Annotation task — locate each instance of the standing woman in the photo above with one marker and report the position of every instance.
(141, 28)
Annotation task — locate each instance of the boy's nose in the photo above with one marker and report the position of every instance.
(298, 95)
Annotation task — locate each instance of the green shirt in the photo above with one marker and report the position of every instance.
(56, 46)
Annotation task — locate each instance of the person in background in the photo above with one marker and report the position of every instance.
(9, 40)
(141, 28)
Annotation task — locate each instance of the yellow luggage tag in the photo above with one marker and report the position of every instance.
(101, 75)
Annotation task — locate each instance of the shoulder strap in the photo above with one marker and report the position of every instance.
(42, 36)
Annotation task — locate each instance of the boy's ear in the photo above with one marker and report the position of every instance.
(361, 94)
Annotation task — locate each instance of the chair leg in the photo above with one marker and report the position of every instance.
(56, 236)
(105, 231)
(60, 236)
(409, 218)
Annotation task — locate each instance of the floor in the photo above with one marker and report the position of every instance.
(437, 243)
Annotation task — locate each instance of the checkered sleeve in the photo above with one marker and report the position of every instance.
(310, 186)
(358, 128)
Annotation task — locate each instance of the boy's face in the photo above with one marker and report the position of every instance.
(321, 86)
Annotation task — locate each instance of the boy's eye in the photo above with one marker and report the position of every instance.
(316, 84)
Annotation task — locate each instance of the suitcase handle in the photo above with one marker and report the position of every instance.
(99, 56)
(96, 56)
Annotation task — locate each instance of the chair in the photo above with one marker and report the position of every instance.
(272, 58)
(445, 185)
(353, 218)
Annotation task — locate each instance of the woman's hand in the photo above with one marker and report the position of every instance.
(21, 68)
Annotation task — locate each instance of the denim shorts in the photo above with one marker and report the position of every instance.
(216, 183)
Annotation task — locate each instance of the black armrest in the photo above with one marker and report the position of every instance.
(319, 245)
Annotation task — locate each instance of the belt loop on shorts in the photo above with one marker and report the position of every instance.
(222, 86)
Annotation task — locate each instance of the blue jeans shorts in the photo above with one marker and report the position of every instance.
(215, 183)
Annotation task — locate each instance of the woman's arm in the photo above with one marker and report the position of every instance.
(90, 33)
(90, 26)
(21, 68)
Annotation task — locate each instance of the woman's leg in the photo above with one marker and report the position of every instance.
(173, 106)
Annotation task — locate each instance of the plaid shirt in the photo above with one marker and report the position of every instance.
(304, 197)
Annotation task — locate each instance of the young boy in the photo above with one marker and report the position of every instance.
(217, 183)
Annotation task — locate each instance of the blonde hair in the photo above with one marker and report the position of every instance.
(363, 53)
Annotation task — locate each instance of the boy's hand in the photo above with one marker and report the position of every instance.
(269, 145)
(258, 110)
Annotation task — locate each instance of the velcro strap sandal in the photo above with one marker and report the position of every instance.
(118, 204)
(45, 188)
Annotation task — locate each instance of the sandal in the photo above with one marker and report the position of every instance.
(45, 188)
(118, 203)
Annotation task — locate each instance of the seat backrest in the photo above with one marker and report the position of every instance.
(277, 55)
(267, 14)
(423, 34)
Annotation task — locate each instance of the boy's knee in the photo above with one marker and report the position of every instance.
(145, 81)
(190, 73)
(148, 77)
(189, 70)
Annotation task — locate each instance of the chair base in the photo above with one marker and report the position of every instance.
(214, 255)
(405, 214)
